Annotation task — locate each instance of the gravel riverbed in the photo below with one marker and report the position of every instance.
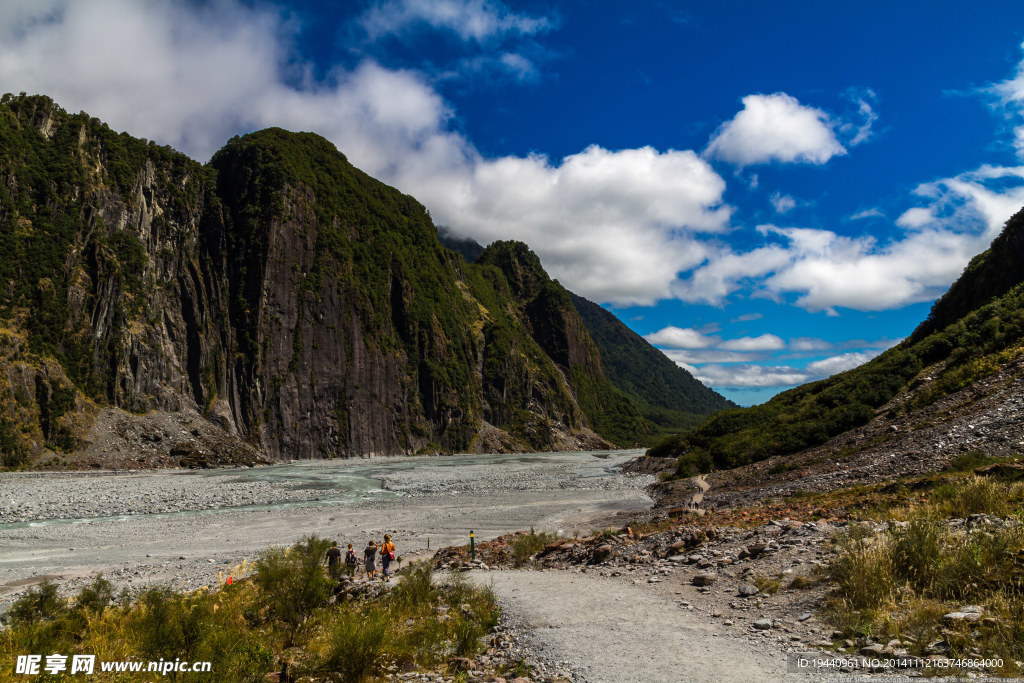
(188, 529)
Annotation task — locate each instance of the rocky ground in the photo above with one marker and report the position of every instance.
(119, 440)
(987, 416)
(35, 496)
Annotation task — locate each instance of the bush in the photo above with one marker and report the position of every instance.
(356, 643)
(39, 604)
(293, 581)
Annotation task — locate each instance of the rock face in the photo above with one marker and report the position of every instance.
(300, 306)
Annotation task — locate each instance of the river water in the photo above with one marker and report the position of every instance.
(184, 527)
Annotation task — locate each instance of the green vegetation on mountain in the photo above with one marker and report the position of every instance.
(546, 308)
(299, 304)
(968, 337)
(469, 249)
(665, 394)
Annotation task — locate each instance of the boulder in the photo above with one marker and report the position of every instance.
(748, 590)
(703, 579)
(763, 624)
(603, 553)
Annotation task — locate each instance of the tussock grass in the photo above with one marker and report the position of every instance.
(527, 545)
(284, 613)
(899, 582)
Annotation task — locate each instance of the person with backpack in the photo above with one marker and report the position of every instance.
(334, 561)
(370, 559)
(351, 561)
(387, 555)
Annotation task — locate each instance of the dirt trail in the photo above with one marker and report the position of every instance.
(609, 629)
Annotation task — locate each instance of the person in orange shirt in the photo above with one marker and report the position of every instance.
(387, 555)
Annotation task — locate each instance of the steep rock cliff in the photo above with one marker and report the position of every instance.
(296, 306)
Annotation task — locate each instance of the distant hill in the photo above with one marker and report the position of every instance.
(974, 331)
(465, 247)
(666, 394)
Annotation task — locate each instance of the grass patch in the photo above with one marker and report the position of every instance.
(800, 582)
(284, 614)
(898, 583)
(528, 545)
(767, 585)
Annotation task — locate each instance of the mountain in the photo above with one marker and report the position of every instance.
(950, 370)
(666, 394)
(274, 303)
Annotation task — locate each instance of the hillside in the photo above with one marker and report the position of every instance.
(665, 393)
(975, 331)
(274, 303)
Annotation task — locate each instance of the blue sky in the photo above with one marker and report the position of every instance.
(769, 192)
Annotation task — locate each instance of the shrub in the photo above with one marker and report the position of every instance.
(38, 604)
(293, 581)
(356, 643)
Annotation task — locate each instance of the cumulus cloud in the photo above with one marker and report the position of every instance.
(809, 344)
(826, 270)
(614, 225)
(775, 127)
(765, 342)
(470, 20)
(681, 338)
(748, 375)
(782, 203)
(754, 375)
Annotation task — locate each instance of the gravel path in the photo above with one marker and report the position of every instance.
(593, 628)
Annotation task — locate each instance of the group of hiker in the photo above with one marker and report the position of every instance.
(335, 564)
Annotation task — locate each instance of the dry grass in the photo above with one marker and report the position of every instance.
(898, 583)
(284, 612)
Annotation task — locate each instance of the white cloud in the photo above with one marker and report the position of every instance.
(916, 217)
(694, 357)
(765, 342)
(681, 338)
(830, 366)
(471, 20)
(782, 203)
(747, 317)
(748, 375)
(809, 344)
(753, 375)
(725, 271)
(867, 213)
(861, 131)
(827, 270)
(775, 128)
(199, 74)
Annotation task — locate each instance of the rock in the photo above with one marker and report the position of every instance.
(603, 553)
(763, 624)
(957, 617)
(804, 617)
(748, 590)
(703, 579)
(756, 549)
(460, 664)
(872, 650)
